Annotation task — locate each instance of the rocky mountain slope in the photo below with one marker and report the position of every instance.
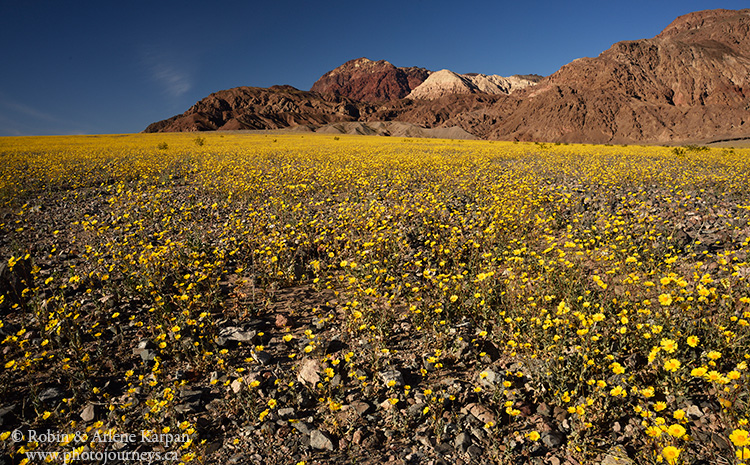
(259, 108)
(370, 81)
(691, 83)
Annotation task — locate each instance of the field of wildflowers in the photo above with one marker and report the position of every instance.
(309, 299)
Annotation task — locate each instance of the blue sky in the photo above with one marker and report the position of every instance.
(83, 67)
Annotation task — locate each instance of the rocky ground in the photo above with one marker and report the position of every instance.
(294, 383)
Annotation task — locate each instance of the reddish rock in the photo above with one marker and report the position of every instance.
(370, 81)
(281, 321)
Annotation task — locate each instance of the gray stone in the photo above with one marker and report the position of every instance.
(146, 355)
(361, 407)
(392, 375)
(478, 433)
(262, 357)
(320, 441)
(387, 405)
(552, 439)
(462, 442)
(416, 409)
(358, 436)
(51, 395)
(302, 427)
(233, 333)
(544, 410)
(489, 379)
(474, 451)
(426, 441)
(286, 413)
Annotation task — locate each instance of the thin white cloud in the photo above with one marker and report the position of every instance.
(29, 111)
(20, 119)
(175, 82)
(172, 72)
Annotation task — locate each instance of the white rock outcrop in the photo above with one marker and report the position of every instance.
(446, 82)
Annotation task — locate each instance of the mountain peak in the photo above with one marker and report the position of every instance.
(370, 81)
(697, 20)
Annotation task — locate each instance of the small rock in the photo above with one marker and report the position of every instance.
(487, 378)
(262, 357)
(474, 451)
(89, 413)
(552, 439)
(387, 405)
(425, 441)
(191, 395)
(238, 458)
(416, 409)
(480, 412)
(146, 355)
(393, 376)
(309, 372)
(281, 321)
(286, 413)
(720, 442)
(302, 427)
(236, 385)
(361, 407)
(462, 442)
(233, 333)
(268, 428)
(51, 395)
(543, 410)
(374, 440)
(694, 411)
(320, 441)
(560, 414)
(443, 448)
(145, 350)
(478, 433)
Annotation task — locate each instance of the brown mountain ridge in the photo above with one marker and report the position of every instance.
(690, 83)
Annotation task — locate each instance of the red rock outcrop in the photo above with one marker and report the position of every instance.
(370, 81)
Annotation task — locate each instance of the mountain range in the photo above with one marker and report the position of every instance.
(690, 83)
